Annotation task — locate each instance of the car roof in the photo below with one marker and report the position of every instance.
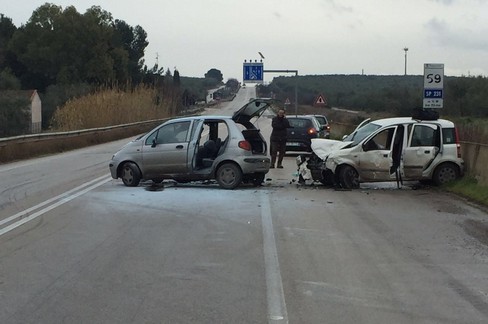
(410, 120)
(316, 115)
(301, 116)
(188, 118)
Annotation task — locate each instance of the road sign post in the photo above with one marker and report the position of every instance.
(433, 86)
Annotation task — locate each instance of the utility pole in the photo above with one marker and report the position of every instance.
(406, 50)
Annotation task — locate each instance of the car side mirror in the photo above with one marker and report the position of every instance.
(153, 143)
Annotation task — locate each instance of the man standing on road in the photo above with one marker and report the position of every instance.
(278, 138)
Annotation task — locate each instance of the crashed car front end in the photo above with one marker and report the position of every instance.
(323, 161)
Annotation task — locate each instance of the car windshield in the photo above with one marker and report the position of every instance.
(358, 135)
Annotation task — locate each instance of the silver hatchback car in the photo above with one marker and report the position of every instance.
(228, 149)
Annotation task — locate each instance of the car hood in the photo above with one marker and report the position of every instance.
(254, 108)
(322, 147)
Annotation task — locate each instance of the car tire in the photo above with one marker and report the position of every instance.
(327, 178)
(228, 176)
(445, 173)
(348, 177)
(130, 174)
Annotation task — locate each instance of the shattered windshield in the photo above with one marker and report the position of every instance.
(357, 136)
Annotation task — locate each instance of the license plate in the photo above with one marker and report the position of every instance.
(292, 144)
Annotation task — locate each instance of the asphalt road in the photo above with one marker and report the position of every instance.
(79, 247)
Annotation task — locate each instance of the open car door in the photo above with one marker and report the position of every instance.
(423, 146)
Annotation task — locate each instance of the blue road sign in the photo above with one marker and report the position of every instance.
(433, 93)
(253, 72)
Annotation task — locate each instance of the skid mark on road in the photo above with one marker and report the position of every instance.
(274, 287)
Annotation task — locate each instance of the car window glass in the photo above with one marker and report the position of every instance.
(194, 128)
(321, 120)
(180, 132)
(299, 122)
(316, 123)
(381, 141)
(448, 136)
(223, 132)
(423, 135)
(150, 138)
(170, 133)
(361, 133)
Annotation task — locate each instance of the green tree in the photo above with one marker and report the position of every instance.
(232, 84)
(134, 41)
(14, 117)
(176, 79)
(64, 46)
(214, 74)
(8, 81)
(7, 29)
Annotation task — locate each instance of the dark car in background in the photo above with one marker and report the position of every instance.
(303, 129)
(324, 123)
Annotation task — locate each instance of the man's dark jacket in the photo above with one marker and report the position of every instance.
(279, 124)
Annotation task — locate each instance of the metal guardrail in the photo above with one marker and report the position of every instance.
(41, 136)
(33, 145)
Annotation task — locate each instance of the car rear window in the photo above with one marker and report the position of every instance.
(322, 120)
(448, 136)
(300, 122)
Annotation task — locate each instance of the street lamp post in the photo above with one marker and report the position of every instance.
(406, 50)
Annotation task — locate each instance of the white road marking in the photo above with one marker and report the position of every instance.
(274, 287)
(57, 201)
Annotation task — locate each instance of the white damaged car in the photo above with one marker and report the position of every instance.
(390, 149)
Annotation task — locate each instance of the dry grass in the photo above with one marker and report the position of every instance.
(109, 107)
(473, 130)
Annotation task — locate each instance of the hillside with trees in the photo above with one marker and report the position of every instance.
(397, 95)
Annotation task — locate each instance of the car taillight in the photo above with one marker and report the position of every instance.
(245, 145)
(458, 145)
(312, 131)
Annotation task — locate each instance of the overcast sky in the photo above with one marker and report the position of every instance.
(314, 37)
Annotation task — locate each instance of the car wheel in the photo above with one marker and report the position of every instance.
(327, 178)
(229, 175)
(258, 179)
(349, 177)
(130, 174)
(445, 173)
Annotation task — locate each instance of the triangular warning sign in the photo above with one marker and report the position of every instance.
(320, 101)
(287, 101)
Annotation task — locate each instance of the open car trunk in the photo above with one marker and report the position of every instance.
(254, 137)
